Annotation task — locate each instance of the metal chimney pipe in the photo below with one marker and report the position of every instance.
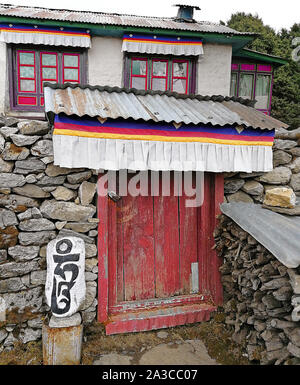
(185, 12)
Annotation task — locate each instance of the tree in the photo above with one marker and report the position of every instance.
(286, 91)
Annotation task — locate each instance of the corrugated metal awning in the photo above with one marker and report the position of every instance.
(276, 232)
(114, 102)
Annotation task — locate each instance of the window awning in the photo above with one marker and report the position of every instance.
(24, 34)
(162, 44)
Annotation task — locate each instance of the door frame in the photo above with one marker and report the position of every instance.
(209, 276)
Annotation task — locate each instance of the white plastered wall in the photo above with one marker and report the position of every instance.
(214, 70)
(3, 78)
(105, 62)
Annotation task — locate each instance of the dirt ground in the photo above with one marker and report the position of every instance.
(213, 334)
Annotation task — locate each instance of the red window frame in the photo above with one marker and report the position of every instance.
(42, 79)
(160, 77)
(180, 77)
(19, 65)
(139, 76)
(71, 67)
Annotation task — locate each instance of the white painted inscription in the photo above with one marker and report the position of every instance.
(65, 285)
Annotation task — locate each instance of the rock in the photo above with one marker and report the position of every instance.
(38, 277)
(2, 143)
(8, 237)
(31, 190)
(70, 233)
(53, 170)
(23, 140)
(10, 341)
(279, 175)
(36, 323)
(48, 159)
(42, 148)
(86, 192)
(80, 227)
(91, 292)
(282, 144)
(29, 334)
(294, 280)
(3, 256)
(292, 212)
(29, 166)
(90, 250)
(90, 276)
(33, 127)
(13, 269)
(65, 322)
(162, 334)
(63, 194)
(295, 152)
(36, 238)
(3, 334)
(11, 284)
(233, 185)
(13, 152)
(6, 166)
(2, 312)
(66, 211)
(295, 182)
(31, 178)
(9, 180)
(33, 212)
(280, 158)
(79, 177)
(294, 336)
(295, 166)
(239, 196)
(7, 218)
(23, 253)
(245, 175)
(274, 284)
(253, 188)
(280, 197)
(90, 264)
(113, 359)
(51, 181)
(31, 299)
(6, 132)
(294, 350)
(40, 224)
(88, 317)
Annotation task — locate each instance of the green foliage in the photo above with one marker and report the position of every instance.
(286, 91)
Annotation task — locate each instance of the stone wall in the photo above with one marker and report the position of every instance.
(260, 297)
(39, 202)
(243, 187)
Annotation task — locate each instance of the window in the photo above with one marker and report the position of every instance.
(32, 68)
(160, 74)
(253, 81)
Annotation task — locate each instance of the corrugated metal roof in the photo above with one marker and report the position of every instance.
(114, 102)
(276, 232)
(115, 19)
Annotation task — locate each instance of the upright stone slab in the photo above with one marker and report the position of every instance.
(2, 310)
(65, 284)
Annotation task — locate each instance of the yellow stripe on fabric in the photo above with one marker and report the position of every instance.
(160, 42)
(45, 32)
(158, 138)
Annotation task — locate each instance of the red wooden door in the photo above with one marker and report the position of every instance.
(146, 255)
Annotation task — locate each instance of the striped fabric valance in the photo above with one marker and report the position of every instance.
(163, 45)
(122, 144)
(24, 34)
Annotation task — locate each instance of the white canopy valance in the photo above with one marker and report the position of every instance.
(20, 34)
(163, 45)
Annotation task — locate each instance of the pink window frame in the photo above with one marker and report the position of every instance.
(64, 67)
(47, 66)
(180, 77)
(139, 76)
(26, 65)
(160, 77)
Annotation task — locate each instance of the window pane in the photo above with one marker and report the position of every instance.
(27, 85)
(49, 73)
(139, 83)
(26, 57)
(233, 84)
(246, 86)
(262, 91)
(71, 61)
(179, 85)
(179, 69)
(70, 74)
(48, 59)
(139, 67)
(159, 84)
(159, 68)
(26, 72)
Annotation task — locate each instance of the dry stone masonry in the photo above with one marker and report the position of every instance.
(39, 202)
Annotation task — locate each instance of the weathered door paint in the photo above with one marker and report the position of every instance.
(149, 249)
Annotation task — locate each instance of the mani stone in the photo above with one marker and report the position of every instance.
(281, 157)
(9, 180)
(6, 166)
(31, 191)
(280, 197)
(65, 322)
(33, 127)
(63, 194)
(23, 140)
(239, 196)
(23, 253)
(65, 293)
(253, 188)
(66, 211)
(280, 175)
(29, 166)
(13, 152)
(86, 192)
